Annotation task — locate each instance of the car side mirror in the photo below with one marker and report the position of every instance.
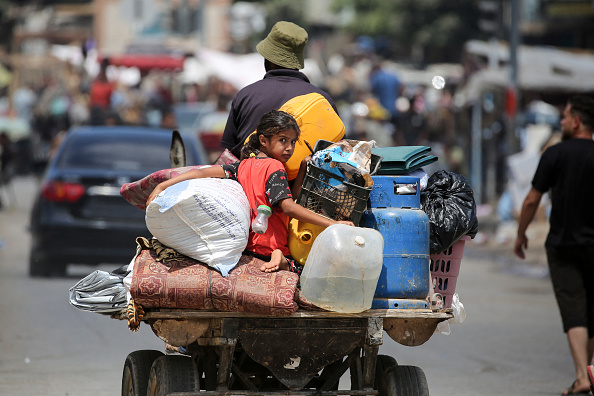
(177, 151)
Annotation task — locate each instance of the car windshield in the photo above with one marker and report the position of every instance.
(188, 115)
(185, 119)
(126, 152)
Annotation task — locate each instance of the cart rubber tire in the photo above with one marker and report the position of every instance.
(384, 364)
(173, 373)
(136, 372)
(403, 381)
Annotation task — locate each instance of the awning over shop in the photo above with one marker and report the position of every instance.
(145, 62)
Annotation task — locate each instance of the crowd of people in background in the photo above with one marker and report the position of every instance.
(374, 103)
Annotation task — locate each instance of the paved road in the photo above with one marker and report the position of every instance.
(48, 347)
(510, 344)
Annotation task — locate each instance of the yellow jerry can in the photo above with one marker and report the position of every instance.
(317, 120)
(301, 238)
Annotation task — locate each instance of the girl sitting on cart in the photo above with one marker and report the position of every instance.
(262, 175)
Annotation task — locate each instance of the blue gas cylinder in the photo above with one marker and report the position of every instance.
(396, 213)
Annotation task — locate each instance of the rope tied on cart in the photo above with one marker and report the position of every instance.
(135, 315)
(164, 253)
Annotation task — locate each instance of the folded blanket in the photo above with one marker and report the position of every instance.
(400, 156)
(182, 282)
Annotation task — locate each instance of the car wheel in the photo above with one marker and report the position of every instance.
(172, 373)
(136, 372)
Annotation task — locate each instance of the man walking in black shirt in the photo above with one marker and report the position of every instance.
(567, 171)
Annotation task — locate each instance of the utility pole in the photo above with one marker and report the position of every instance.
(476, 163)
(513, 91)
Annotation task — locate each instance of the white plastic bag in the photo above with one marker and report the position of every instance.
(128, 278)
(458, 310)
(459, 316)
(361, 155)
(205, 219)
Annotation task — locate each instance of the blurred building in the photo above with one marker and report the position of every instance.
(182, 24)
(114, 27)
(559, 23)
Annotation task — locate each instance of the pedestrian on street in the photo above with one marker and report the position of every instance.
(386, 87)
(283, 52)
(100, 94)
(6, 158)
(567, 171)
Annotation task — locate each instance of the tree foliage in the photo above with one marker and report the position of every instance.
(284, 10)
(437, 27)
(278, 10)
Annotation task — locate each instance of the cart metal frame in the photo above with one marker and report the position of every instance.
(235, 353)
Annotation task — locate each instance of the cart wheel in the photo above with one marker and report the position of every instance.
(402, 381)
(384, 365)
(172, 373)
(136, 372)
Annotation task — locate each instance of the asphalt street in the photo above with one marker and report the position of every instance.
(511, 342)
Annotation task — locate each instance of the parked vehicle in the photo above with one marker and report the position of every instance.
(189, 115)
(79, 216)
(205, 121)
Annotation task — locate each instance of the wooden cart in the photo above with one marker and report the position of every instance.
(230, 353)
(233, 353)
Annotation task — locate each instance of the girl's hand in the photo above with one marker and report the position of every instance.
(292, 209)
(157, 190)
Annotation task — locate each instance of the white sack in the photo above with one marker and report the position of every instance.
(205, 219)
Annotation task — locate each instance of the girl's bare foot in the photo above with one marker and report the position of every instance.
(277, 261)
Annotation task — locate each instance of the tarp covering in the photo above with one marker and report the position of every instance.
(100, 291)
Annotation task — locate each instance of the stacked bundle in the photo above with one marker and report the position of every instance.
(403, 160)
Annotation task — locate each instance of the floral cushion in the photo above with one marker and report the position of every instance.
(138, 192)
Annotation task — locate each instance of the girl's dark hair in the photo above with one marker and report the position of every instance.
(273, 122)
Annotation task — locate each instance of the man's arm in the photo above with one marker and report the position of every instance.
(229, 138)
(529, 208)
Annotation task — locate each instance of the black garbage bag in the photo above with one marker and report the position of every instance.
(448, 201)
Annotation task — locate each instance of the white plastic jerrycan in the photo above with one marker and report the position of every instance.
(343, 267)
